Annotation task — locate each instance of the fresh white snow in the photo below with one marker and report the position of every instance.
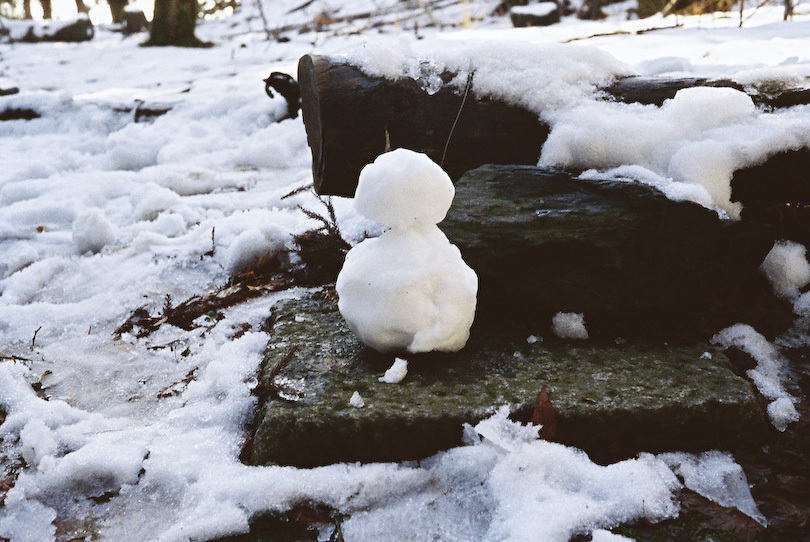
(408, 289)
(569, 325)
(100, 215)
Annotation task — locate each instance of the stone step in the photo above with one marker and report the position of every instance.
(612, 400)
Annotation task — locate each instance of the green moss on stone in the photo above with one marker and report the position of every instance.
(611, 400)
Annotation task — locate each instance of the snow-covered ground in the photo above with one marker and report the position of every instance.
(140, 437)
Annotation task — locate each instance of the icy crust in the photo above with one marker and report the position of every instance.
(408, 289)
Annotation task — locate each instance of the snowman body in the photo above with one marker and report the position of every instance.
(408, 289)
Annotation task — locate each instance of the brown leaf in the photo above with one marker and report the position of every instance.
(545, 416)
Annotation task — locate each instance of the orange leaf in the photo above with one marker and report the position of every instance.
(545, 416)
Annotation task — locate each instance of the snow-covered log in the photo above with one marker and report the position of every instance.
(79, 29)
(351, 118)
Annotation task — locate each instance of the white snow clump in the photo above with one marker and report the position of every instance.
(396, 373)
(92, 231)
(767, 375)
(787, 268)
(409, 288)
(569, 325)
(356, 400)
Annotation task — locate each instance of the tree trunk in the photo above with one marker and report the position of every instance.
(81, 7)
(173, 24)
(46, 9)
(351, 118)
(27, 10)
(117, 9)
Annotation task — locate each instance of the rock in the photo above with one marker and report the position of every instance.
(542, 14)
(636, 264)
(783, 200)
(611, 400)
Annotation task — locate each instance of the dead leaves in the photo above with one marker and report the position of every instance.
(545, 416)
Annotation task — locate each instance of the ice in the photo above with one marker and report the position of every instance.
(769, 374)
(787, 268)
(718, 477)
(396, 373)
(569, 325)
(408, 289)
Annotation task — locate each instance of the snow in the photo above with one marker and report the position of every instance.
(396, 373)
(408, 289)
(569, 325)
(540, 9)
(716, 476)
(769, 375)
(787, 268)
(100, 215)
(356, 400)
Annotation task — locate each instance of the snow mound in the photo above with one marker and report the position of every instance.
(397, 372)
(92, 231)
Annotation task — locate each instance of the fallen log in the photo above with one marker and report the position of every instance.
(79, 29)
(351, 118)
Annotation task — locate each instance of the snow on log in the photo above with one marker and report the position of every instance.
(79, 29)
(351, 118)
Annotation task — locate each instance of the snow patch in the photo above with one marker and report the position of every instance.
(569, 325)
(769, 374)
(396, 373)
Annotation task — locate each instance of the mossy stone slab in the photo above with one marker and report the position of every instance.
(611, 400)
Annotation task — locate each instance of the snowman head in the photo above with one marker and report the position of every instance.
(404, 189)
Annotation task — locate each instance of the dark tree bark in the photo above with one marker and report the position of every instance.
(117, 10)
(173, 24)
(47, 12)
(81, 7)
(27, 9)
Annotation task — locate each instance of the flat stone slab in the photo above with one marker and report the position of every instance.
(612, 400)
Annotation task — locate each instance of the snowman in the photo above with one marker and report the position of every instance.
(408, 289)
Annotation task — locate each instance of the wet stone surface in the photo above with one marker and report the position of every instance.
(611, 400)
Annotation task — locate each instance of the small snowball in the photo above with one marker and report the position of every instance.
(787, 268)
(92, 231)
(782, 413)
(569, 325)
(396, 373)
(37, 441)
(249, 247)
(532, 339)
(706, 355)
(357, 401)
(404, 188)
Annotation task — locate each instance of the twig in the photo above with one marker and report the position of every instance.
(458, 115)
(264, 20)
(34, 338)
(297, 191)
(280, 364)
(14, 358)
